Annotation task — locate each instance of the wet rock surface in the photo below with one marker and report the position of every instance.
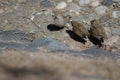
(32, 37)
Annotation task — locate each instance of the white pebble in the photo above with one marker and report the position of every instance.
(84, 2)
(69, 1)
(61, 5)
(101, 10)
(95, 3)
(32, 17)
(116, 14)
(6, 21)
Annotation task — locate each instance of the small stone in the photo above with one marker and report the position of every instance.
(116, 14)
(73, 7)
(59, 21)
(84, 2)
(95, 3)
(115, 31)
(90, 16)
(101, 10)
(46, 3)
(61, 5)
(107, 2)
(69, 1)
(21, 1)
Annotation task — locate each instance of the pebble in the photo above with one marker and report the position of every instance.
(107, 2)
(69, 1)
(84, 2)
(46, 3)
(73, 7)
(21, 1)
(91, 16)
(61, 5)
(100, 10)
(95, 3)
(116, 14)
(59, 21)
(115, 31)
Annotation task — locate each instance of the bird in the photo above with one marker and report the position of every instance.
(97, 30)
(79, 29)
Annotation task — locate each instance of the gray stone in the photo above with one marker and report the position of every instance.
(47, 43)
(95, 3)
(115, 31)
(59, 21)
(84, 2)
(61, 5)
(73, 7)
(101, 10)
(69, 1)
(46, 3)
(107, 2)
(116, 14)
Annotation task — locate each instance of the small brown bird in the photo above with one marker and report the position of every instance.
(97, 30)
(79, 29)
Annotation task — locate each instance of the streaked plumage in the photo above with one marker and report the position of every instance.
(97, 30)
(79, 29)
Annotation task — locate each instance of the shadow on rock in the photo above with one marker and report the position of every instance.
(75, 37)
(53, 27)
(95, 41)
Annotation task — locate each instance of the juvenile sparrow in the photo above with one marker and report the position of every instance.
(97, 30)
(80, 29)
